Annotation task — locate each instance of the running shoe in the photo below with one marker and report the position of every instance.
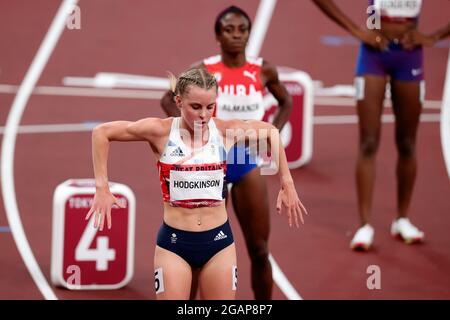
(403, 228)
(363, 238)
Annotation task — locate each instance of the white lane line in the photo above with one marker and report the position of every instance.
(350, 102)
(9, 140)
(88, 126)
(445, 119)
(88, 92)
(157, 94)
(282, 282)
(260, 25)
(55, 128)
(385, 118)
(119, 80)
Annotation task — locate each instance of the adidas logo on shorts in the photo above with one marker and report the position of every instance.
(220, 236)
(177, 153)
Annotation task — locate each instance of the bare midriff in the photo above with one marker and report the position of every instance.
(394, 31)
(196, 219)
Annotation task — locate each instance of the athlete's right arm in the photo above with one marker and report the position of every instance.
(149, 129)
(370, 37)
(167, 102)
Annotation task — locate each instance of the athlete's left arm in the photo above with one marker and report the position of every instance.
(415, 38)
(269, 76)
(288, 200)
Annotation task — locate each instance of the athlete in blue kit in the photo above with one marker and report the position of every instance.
(391, 54)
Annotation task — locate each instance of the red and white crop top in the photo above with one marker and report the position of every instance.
(397, 10)
(240, 89)
(192, 178)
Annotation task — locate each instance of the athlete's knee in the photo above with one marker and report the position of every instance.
(259, 252)
(406, 147)
(369, 146)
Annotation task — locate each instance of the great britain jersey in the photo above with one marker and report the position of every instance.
(240, 89)
(193, 178)
(398, 10)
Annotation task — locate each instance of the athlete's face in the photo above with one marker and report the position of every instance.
(197, 106)
(234, 33)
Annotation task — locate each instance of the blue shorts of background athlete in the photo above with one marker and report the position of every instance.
(398, 63)
(239, 163)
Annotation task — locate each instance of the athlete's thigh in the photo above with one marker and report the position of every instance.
(250, 203)
(173, 276)
(370, 100)
(407, 104)
(218, 277)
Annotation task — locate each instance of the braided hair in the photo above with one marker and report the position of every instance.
(198, 77)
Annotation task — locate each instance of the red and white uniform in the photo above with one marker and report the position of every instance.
(193, 178)
(240, 89)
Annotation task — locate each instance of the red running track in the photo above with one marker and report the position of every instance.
(150, 37)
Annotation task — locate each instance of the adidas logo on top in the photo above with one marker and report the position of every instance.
(220, 236)
(177, 153)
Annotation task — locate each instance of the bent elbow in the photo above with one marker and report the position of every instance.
(100, 131)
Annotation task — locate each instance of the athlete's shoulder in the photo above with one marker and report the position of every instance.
(222, 125)
(163, 125)
(151, 127)
(267, 66)
(269, 71)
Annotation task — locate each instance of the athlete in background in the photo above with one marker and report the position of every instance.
(391, 54)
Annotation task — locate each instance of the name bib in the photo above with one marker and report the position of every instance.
(399, 8)
(192, 185)
(240, 107)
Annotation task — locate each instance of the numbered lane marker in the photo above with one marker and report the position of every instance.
(104, 259)
(102, 254)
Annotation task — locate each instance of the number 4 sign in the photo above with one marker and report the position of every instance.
(84, 257)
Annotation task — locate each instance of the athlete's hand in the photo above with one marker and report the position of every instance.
(374, 39)
(101, 207)
(414, 38)
(288, 201)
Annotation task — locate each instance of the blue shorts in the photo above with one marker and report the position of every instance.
(398, 63)
(196, 248)
(239, 163)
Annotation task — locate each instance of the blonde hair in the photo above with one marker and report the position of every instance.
(198, 77)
